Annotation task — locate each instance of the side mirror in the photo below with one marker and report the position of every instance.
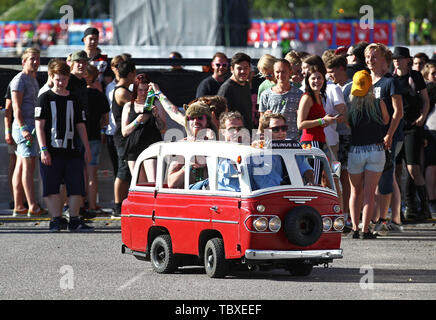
(336, 169)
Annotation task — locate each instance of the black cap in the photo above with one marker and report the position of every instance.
(90, 31)
(401, 52)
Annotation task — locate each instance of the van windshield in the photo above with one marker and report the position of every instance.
(269, 170)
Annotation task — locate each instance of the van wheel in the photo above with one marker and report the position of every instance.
(214, 258)
(300, 270)
(161, 255)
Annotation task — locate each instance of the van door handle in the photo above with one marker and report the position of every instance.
(214, 208)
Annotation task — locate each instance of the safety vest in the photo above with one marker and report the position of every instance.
(426, 28)
(413, 27)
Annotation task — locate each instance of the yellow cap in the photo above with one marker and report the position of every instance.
(362, 81)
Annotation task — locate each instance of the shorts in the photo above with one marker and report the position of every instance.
(430, 149)
(413, 145)
(386, 183)
(123, 171)
(68, 171)
(344, 149)
(95, 146)
(23, 150)
(366, 158)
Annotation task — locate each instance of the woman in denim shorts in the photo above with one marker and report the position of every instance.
(366, 159)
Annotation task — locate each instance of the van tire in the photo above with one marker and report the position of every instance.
(214, 258)
(303, 226)
(161, 255)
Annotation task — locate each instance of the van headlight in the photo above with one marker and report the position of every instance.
(339, 223)
(260, 224)
(326, 224)
(275, 224)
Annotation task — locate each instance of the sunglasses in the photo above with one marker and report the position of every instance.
(224, 65)
(199, 118)
(279, 128)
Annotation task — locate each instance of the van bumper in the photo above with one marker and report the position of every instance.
(289, 255)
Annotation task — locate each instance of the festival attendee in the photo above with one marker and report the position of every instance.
(378, 58)
(416, 105)
(142, 125)
(366, 158)
(24, 94)
(312, 118)
(237, 90)
(197, 120)
(356, 59)
(282, 98)
(91, 38)
(111, 127)
(122, 95)
(266, 71)
(336, 67)
(419, 61)
(429, 73)
(294, 59)
(210, 85)
(97, 117)
(58, 111)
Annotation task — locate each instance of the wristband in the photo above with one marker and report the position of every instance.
(158, 93)
(8, 131)
(43, 149)
(320, 121)
(162, 98)
(23, 128)
(135, 123)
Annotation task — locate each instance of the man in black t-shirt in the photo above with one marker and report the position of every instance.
(237, 90)
(416, 105)
(59, 122)
(211, 85)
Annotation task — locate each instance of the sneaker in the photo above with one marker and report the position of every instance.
(381, 228)
(368, 235)
(394, 227)
(64, 223)
(87, 214)
(115, 214)
(356, 234)
(55, 224)
(76, 224)
(371, 227)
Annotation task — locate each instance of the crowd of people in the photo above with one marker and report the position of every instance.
(365, 106)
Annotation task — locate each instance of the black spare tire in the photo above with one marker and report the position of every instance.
(303, 226)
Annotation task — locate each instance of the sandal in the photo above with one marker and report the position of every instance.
(40, 212)
(16, 213)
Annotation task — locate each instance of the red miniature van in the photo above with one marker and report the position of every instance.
(249, 206)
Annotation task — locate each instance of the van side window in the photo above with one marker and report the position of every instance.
(147, 173)
(198, 173)
(227, 176)
(174, 166)
(267, 171)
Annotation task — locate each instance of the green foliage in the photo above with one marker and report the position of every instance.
(330, 9)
